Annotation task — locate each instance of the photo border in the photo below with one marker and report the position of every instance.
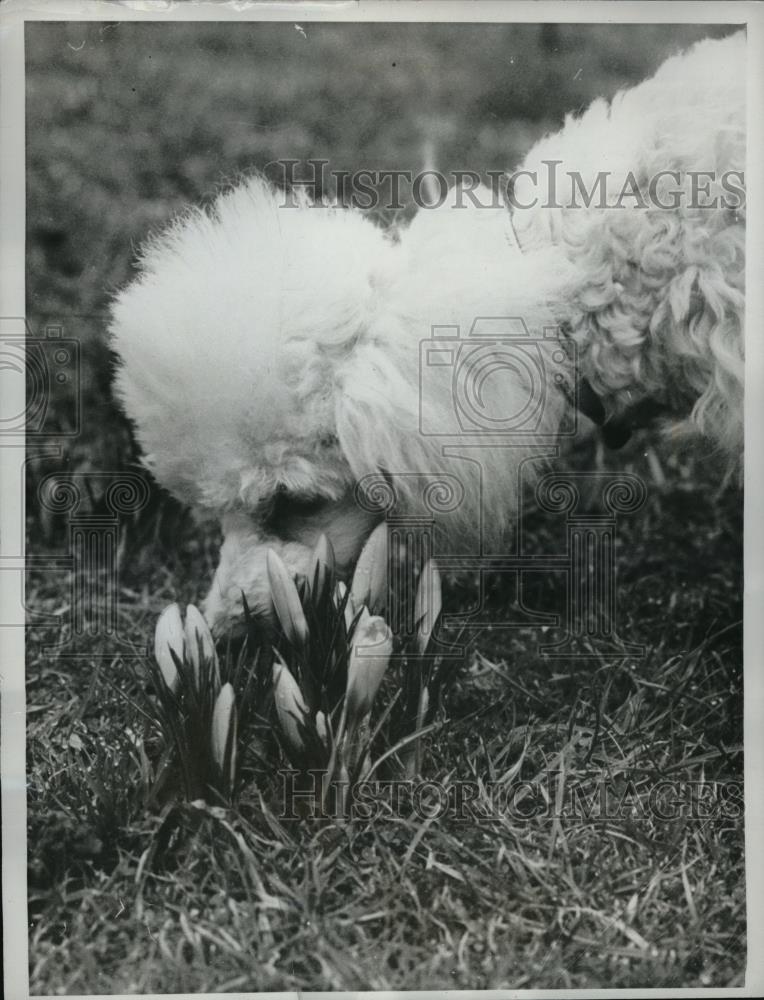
(13, 17)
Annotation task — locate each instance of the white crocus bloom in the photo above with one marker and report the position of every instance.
(350, 610)
(168, 639)
(369, 657)
(224, 729)
(290, 704)
(428, 604)
(198, 633)
(322, 563)
(286, 600)
(321, 728)
(369, 585)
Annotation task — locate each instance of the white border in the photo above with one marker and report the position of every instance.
(13, 14)
(13, 721)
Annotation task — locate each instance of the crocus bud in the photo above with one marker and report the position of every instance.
(321, 728)
(168, 636)
(286, 601)
(322, 564)
(290, 705)
(428, 604)
(424, 704)
(339, 595)
(224, 729)
(198, 634)
(369, 584)
(369, 657)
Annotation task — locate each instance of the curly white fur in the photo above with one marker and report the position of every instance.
(656, 301)
(269, 355)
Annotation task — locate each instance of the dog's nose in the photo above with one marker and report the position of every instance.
(221, 613)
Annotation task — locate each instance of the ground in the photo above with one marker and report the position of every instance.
(125, 125)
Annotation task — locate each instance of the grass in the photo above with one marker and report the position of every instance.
(188, 898)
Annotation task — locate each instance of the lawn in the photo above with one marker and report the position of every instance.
(127, 123)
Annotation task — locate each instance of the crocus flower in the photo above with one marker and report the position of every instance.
(322, 565)
(321, 728)
(369, 584)
(339, 595)
(290, 704)
(427, 604)
(168, 639)
(369, 657)
(286, 600)
(224, 729)
(424, 704)
(198, 634)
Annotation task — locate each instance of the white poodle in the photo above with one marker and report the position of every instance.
(270, 355)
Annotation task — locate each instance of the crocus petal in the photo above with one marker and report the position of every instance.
(286, 600)
(369, 657)
(198, 630)
(428, 604)
(224, 728)
(168, 635)
(369, 584)
(290, 705)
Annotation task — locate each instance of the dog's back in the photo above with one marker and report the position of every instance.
(648, 213)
